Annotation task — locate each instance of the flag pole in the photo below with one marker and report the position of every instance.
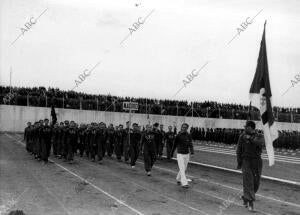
(10, 74)
(249, 111)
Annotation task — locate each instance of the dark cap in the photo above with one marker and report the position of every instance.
(250, 123)
(185, 124)
(156, 124)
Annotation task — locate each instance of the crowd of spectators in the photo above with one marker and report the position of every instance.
(218, 135)
(42, 97)
(288, 140)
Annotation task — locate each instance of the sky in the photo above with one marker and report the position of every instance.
(173, 38)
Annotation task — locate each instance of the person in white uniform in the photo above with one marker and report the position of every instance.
(183, 143)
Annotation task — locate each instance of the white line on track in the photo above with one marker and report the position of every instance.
(233, 151)
(238, 171)
(18, 198)
(276, 159)
(277, 152)
(94, 186)
(99, 189)
(194, 190)
(42, 185)
(280, 159)
(53, 196)
(227, 186)
(216, 196)
(153, 191)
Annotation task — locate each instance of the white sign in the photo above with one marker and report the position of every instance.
(130, 106)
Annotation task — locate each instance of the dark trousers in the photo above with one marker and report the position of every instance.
(251, 169)
(160, 148)
(38, 146)
(75, 147)
(93, 150)
(35, 147)
(119, 150)
(58, 147)
(169, 150)
(64, 149)
(70, 151)
(157, 148)
(81, 149)
(87, 149)
(100, 151)
(149, 158)
(134, 154)
(55, 147)
(45, 149)
(29, 145)
(126, 151)
(109, 148)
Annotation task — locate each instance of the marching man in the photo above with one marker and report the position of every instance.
(184, 145)
(149, 149)
(248, 152)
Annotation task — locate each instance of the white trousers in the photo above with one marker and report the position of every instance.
(182, 160)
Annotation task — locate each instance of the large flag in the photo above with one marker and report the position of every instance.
(260, 97)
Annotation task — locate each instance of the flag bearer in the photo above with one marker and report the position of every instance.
(248, 152)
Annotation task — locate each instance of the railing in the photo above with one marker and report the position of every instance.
(174, 110)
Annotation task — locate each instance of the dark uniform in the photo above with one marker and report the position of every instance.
(135, 139)
(93, 142)
(249, 151)
(87, 140)
(36, 140)
(161, 140)
(149, 150)
(64, 144)
(27, 137)
(46, 133)
(101, 138)
(110, 142)
(71, 141)
(156, 140)
(59, 136)
(119, 140)
(39, 140)
(56, 139)
(81, 134)
(170, 137)
(126, 144)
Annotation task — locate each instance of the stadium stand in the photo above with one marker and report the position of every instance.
(42, 97)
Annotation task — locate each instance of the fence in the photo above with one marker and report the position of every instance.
(116, 106)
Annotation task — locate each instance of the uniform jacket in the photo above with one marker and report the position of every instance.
(148, 142)
(135, 138)
(183, 143)
(249, 146)
(170, 137)
(72, 136)
(46, 133)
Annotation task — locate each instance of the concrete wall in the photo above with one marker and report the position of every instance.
(14, 118)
